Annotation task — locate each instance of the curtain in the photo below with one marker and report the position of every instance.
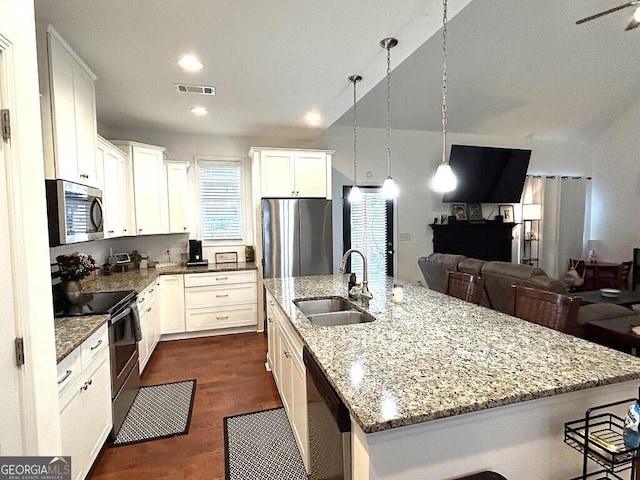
(565, 214)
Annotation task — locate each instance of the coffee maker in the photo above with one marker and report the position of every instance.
(195, 254)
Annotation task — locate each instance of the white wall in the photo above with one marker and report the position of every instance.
(616, 188)
(25, 175)
(414, 158)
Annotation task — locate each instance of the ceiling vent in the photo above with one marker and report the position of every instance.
(199, 89)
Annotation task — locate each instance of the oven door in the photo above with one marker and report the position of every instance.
(123, 347)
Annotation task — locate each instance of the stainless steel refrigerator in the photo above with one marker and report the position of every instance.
(296, 237)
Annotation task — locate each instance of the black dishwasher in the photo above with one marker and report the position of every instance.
(329, 427)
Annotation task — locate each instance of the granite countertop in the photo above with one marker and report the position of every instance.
(435, 356)
(70, 332)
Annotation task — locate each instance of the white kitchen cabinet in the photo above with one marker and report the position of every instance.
(178, 195)
(289, 372)
(149, 311)
(293, 173)
(151, 203)
(118, 212)
(220, 300)
(171, 302)
(67, 86)
(84, 396)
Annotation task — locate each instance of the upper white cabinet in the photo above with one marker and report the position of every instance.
(118, 211)
(293, 173)
(67, 86)
(149, 186)
(177, 191)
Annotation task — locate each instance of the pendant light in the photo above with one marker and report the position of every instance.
(444, 179)
(389, 187)
(355, 195)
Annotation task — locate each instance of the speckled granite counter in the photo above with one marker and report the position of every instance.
(435, 356)
(70, 332)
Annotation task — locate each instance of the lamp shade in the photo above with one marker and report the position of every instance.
(444, 180)
(532, 211)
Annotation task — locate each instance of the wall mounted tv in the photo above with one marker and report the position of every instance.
(487, 174)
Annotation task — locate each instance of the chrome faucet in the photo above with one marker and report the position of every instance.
(365, 295)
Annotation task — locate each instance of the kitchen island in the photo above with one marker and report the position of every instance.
(438, 388)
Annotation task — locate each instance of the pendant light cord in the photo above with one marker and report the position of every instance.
(444, 82)
(355, 141)
(388, 109)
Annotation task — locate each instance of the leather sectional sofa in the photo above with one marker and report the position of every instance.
(499, 278)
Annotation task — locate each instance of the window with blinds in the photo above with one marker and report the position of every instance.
(369, 234)
(221, 216)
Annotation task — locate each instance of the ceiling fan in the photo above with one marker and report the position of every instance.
(635, 20)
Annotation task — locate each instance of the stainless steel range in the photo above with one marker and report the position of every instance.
(124, 334)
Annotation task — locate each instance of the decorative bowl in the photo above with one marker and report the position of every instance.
(609, 292)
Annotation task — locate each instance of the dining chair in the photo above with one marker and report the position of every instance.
(549, 309)
(619, 278)
(586, 275)
(465, 286)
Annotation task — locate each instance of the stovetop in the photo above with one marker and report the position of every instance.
(100, 303)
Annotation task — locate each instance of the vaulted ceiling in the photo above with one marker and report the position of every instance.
(515, 68)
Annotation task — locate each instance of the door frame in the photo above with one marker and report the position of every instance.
(346, 227)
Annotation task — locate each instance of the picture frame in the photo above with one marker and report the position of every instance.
(443, 218)
(474, 211)
(459, 210)
(227, 257)
(507, 213)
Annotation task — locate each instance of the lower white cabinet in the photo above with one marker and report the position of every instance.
(171, 302)
(149, 312)
(220, 300)
(84, 396)
(289, 372)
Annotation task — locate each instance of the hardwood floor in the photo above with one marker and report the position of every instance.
(231, 379)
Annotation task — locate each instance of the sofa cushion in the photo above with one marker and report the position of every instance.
(500, 276)
(434, 269)
(472, 266)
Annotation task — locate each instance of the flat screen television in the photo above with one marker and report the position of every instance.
(487, 174)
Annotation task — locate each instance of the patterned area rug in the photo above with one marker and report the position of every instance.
(158, 411)
(261, 446)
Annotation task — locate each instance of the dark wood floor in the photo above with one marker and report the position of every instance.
(231, 380)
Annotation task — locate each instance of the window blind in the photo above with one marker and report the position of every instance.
(369, 234)
(220, 200)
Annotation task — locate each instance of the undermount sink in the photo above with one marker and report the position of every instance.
(332, 311)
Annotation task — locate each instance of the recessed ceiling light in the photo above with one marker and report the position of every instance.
(313, 118)
(190, 63)
(199, 111)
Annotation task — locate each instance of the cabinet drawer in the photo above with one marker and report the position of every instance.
(204, 297)
(223, 317)
(219, 278)
(94, 345)
(68, 370)
(146, 296)
(292, 335)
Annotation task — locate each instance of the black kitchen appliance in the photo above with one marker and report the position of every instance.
(124, 334)
(195, 254)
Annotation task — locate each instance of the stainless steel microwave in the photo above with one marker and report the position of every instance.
(74, 212)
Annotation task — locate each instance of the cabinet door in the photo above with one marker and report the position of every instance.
(72, 431)
(61, 66)
(298, 405)
(127, 215)
(171, 302)
(286, 362)
(96, 407)
(178, 196)
(85, 126)
(150, 191)
(143, 345)
(271, 333)
(111, 192)
(310, 174)
(277, 174)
